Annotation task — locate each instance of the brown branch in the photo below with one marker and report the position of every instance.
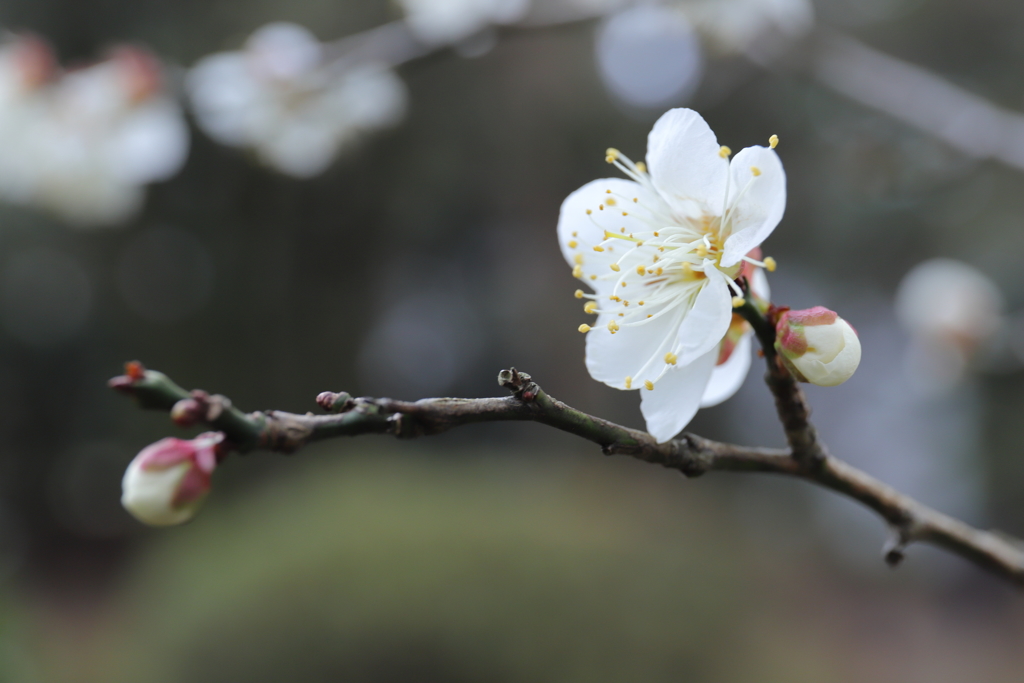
(690, 454)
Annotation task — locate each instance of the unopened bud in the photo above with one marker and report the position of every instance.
(817, 346)
(167, 481)
(187, 412)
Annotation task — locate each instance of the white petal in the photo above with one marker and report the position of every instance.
(727, 378)
(756, 203)
(759, 284)
(673, 402)
(590, 228)
(707, 322)
(686, 168)
(635, 352)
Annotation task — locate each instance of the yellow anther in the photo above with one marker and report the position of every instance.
(578, 259)
(613, 326)
(593, 277)
(622, 230)
(639, 303)
(622, 315)
(702, 251)
(578, 294)
(577, 271)
(659, 271)
(624, 284)
(639, 243)
(598, 247)
(636, 199)
(590, 307)
(655, 233)
(755, 170)
(738, 301)
(671, 358)
(773, 141)
(625, 303)
(611, 155)
(641, 270)
(589, 212)
(615, 298)
(575, 234)
(650, 315)
(573, 244)
(770, 265)
(629, 382)
(607, 191)
(624, 213)
(615, 267)
(584, 328)
(641, 166)
(611, 201)
(600, 207)
(649, 385)
(724, 152)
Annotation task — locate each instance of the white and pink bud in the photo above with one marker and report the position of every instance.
(167, 481)
(817, 346)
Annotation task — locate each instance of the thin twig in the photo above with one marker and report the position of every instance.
(690, 454)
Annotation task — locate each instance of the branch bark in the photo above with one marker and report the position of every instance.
(690, 454)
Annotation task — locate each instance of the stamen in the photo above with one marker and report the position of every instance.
(611, 155)
(755, 170)
(671, 358)
(578, 294)
(573, 244)
(641, 270)
(584, 328)
(589, 212)
(598, 247)
(610, 201)
(639, 303)
(613, 326)
(724, 152)
(577, 271)
(578, 259)
(649, 385)
(773, 141)
(641, 166)
(738, 301)
(615, 267)
(770, 265)
(590, 307)
(593, 277)
(629, 382)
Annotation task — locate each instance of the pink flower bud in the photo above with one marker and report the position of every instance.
(167, 481)
(817, 346)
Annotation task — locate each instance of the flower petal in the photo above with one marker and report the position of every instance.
(707, 322)
(576, 226)
(756, 202)
(634, 352)
(759, 284)
(685, 164)
(727, 378)
(673, 402)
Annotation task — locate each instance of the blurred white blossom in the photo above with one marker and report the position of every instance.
(284, 98)
(952, 311)
(83, 144)
(748, 26)
(441, 22)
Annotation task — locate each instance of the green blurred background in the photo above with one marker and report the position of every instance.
(422, 263)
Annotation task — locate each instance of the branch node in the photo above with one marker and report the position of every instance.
(520, 384)
(335, 402)
(894, 550)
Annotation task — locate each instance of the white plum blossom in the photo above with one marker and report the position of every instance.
(167, 482)
(817, 346)
(443, 22)
(283, 97)
(663, 252)
(953, 311)
(84, 144)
